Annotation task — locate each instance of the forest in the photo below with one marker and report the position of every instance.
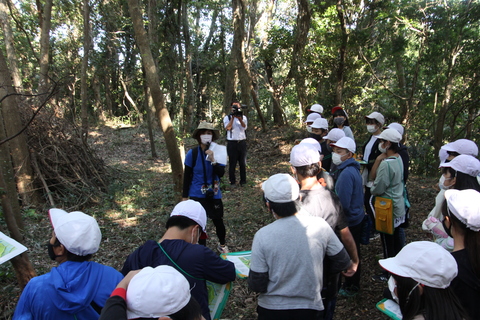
(153, 69)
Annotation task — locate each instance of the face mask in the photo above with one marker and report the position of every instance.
(336, 159)
(339, 121)
(441, 183)
(391, 286)
(371, 128)
(315, 136)
(381, 149)
(50, 251)
(206, 138)
(309, 129)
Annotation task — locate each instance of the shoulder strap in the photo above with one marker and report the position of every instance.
(176, 265)
(194, 156)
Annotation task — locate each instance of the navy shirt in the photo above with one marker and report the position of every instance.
(199, 262)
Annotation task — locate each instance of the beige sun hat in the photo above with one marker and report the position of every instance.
(204, 125)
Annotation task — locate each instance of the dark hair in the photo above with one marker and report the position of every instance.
(464, 181)
(310, 170)
(283, 209)
(191, 311)
(434, 303)
(72, 256)
(340, 112)
(180, 222)
(471, 238)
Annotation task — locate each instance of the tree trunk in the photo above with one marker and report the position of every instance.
(157, 95)
(18, 147)
(45, 18)
(342, 56)
(190, 95)
(84, 84)
(9, 45)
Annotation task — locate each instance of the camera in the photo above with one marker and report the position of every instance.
(237, 110)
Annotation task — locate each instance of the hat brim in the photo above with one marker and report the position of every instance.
(391, 266)
(334, 109)
(216, 133)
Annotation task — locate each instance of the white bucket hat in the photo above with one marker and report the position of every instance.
(425, 262)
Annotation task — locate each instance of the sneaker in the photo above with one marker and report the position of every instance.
(223, 249)
(380, 277)
(374, 236)
(349, 292)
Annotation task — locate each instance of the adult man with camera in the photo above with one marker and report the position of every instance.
(236, 123)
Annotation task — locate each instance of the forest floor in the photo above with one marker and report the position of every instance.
(140, 200)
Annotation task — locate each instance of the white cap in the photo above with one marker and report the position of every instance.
(78, 232)
(157, 292)
(316, 108)
(345, 143)
(312, 117)
(425, 262)
(397, 126)
(320, 123)
(377, 116)
(391, 135)
(442, 153)
(304, 154)
(462, 146)
(334, 135)
(465, 205)
(281, 188)
(313, 142)
(465, 164)
(192, 210)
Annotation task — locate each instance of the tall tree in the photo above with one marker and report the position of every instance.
(153, 83)
(84, 75)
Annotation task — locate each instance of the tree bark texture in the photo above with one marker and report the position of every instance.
(84, 84)
(157, 95)
(9, 46)
(18, 148)
(45, 18)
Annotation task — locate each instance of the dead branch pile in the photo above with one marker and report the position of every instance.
(67, 171)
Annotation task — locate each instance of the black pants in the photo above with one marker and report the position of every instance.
(237, 152)
(214, 209)
(356, 232)
(291, 314)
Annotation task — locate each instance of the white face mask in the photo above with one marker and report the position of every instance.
(382, 149)
(371, 128)
(309, 129)
(206, 138)
(391, 286)
(441, 183)
(336, 159)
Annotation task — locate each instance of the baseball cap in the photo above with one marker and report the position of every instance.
(193, 210)
(204, 125)
(334, 134)
(78, 232)
(334, 109)
(312, 117)
(397, 126)
(312, 142)
(316, 108)
(465, 164)
(345, 143)
(425, 262)
(462, 146)
(442, 153)
(465, 205)
(377, 116)
(320, 123)
(391, 135)
(304, 154)
(281, 188)
(157, 292)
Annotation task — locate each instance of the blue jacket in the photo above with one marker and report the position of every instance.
(349, 188)
(68, 292)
